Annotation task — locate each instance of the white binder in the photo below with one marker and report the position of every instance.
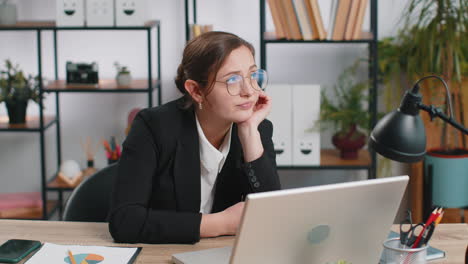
(100, 13)
(130, 12)
(305, 111)
(70, 13)
(281, 117)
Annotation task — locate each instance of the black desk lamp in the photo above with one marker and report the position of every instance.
(400, 134)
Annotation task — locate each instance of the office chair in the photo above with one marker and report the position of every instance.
(90, 201)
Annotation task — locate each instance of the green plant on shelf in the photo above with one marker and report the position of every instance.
(348, 113)
(15, 86)
(349, 108)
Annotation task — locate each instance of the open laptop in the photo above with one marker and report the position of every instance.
(320, 224)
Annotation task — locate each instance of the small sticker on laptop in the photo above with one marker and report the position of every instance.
(318, 234)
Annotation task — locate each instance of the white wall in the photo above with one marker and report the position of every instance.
(102, 115)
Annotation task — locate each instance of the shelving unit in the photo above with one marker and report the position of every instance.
(330, 159)
(41, 123)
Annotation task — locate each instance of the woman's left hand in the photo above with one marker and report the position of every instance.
(261, 109)
(248, 130)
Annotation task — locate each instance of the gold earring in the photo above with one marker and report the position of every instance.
(200, 106)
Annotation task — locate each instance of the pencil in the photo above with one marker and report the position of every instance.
(72, 259)
(439, 218)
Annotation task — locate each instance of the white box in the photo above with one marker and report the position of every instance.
(70, 13)
(130, 12)
(100, 13)
(281, 117)
(306, 111)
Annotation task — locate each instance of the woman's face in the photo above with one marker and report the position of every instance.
(233, 108)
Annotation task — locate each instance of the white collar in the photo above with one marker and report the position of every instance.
(210, 157)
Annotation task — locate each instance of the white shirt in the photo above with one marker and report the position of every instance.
(211, 163)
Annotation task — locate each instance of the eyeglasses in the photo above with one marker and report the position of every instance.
(235, 83)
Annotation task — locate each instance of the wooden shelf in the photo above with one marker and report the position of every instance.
(106, 85)
(50, 25)
(31, 125)
(56, 184)
(269, 37)
(39, 24)
(330, 159)
(32, 213)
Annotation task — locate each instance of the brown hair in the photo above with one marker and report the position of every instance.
(203, 57)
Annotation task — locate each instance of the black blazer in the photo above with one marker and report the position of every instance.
(156, 196)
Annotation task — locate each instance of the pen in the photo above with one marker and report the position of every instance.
(72, 259)
(434, 215)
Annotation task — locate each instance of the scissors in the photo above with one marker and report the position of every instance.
(409, 232)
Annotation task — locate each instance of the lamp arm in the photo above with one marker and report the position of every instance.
(436, 112)
(449, 99)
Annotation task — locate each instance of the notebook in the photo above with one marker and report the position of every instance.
(59, 254)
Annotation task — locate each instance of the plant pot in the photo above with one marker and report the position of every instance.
(17, 111)
(124, 79)
(349, 142)
(449, 177)
(8, 14)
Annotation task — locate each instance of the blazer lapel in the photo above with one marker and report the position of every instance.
(187, 166)
(227, 189)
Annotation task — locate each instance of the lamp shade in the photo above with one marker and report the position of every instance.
(399, 136)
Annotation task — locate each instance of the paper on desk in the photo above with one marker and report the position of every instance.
(58, 254)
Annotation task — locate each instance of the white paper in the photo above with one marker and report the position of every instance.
(58, 254)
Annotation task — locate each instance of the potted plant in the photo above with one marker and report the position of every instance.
(123, 78)
(15, 90)
(347, 115)
(434, 40)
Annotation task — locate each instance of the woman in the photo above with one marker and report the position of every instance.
(187, 165)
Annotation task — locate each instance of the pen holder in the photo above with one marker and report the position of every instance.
(395, 253)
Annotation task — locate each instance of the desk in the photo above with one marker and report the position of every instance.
(452, 238)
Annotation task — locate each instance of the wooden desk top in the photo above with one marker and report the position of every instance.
(452, 238)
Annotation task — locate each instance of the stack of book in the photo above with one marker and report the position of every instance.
(20, 205)
(197, 29)
(302, 20)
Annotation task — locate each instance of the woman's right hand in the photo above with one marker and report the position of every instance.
(231, 218)
(222, 223)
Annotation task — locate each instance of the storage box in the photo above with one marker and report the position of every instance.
(281, 117)
(100, 13)
(130, 12)
(70, 13)
(306, 111)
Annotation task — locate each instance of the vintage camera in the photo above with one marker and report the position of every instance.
(82, 73)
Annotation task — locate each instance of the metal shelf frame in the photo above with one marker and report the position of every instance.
(38, 27)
